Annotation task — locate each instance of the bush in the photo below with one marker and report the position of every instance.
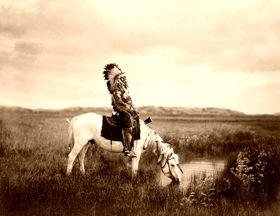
(257, 169)
(252, 173)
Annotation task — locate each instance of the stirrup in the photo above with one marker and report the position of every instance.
(131, 154)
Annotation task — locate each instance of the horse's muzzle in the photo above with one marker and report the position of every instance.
(176, 179)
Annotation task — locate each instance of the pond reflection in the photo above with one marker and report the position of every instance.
(195, 170)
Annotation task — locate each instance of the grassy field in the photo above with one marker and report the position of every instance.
(33, 162)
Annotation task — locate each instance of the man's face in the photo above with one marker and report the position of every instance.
(123, 80)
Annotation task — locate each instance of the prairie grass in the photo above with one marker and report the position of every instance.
(33, 161)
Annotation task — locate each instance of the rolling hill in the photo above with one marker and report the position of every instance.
(145, 110)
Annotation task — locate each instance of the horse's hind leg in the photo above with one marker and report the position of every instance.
(72, 156)
(82, 157)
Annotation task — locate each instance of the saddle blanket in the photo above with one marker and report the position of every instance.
(111, 131)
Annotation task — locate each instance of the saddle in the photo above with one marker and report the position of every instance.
(112, 131)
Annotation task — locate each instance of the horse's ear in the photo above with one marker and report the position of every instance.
(160, 158)
(148, 120)
(158, 138)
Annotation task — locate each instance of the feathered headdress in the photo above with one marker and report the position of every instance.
(111, 71)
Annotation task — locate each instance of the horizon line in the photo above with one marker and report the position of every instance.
(155, 106)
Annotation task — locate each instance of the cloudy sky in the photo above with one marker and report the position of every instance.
(175, 53)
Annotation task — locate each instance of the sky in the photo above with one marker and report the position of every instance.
(192, 53)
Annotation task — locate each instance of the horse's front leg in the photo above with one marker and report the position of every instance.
(135, 161)
(134, 166)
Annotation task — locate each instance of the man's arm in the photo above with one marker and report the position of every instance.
(120, 104)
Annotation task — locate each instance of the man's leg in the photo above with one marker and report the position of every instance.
(127, 139)
(127, 133)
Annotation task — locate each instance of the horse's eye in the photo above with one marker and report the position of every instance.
(173, 165)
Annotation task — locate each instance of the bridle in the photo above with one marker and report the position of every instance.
(169, 157)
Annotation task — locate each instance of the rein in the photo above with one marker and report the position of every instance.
(167, 162)
(158, 153)
(170, 157)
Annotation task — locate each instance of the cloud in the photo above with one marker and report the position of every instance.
(11, 23)
(188, 46)
(223, 35)
(21, 56)
(235, 37)
(262, 98)
(27, 48)
(13, 31)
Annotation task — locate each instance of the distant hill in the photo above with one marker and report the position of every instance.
(14, 109)
(183, 111)
(145, 110)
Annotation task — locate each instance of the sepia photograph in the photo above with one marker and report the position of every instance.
(139, 108)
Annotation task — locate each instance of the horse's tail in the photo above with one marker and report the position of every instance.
(70, 135)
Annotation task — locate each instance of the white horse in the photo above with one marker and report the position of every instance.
(86, 128)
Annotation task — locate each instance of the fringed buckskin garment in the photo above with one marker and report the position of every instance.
(122, 104)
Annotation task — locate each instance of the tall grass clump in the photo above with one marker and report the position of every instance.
(217, 142)
(5, 136)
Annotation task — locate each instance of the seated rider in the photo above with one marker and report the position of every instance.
(122, 104)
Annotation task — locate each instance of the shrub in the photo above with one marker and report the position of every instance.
(257, 169)
(252, 174)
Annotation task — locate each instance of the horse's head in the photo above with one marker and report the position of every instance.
(169, 163)
(167, 159)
